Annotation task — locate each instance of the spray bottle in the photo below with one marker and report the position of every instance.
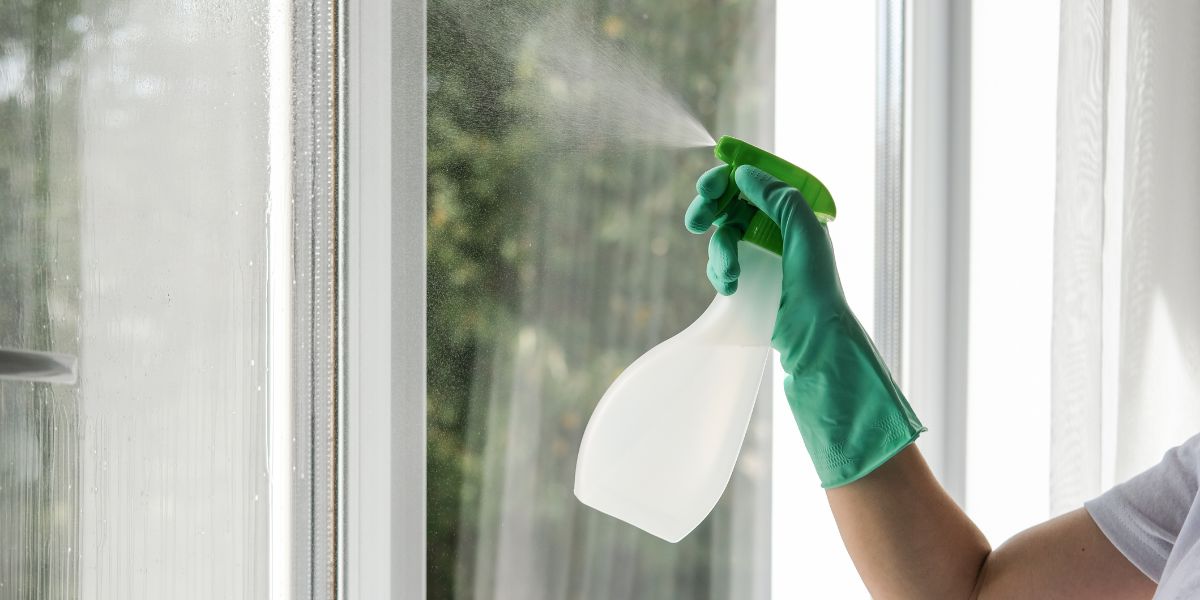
(661, 445)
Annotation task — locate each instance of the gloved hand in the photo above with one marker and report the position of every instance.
(851, 414)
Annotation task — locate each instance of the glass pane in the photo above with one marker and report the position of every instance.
(559, 169)
(133, 186)
(39, 297)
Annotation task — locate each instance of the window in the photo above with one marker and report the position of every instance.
(556, 256)
(139, 225)
(345, 280)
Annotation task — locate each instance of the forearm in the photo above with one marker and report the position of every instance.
(907, 537)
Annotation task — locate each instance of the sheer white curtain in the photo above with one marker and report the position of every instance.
(1126, 333)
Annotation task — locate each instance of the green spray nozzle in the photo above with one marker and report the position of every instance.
(761, 231)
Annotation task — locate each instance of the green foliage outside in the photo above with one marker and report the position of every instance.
(551, 267)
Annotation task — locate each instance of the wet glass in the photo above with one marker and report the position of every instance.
(133, 195)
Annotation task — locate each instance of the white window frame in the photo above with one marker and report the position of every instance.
(304, 248)
(937, 231)
(382, 538)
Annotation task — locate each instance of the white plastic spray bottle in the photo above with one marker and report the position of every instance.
(661, 445)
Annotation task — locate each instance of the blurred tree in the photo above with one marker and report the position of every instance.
(551, 266)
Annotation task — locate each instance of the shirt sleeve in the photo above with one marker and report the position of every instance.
(1142, 517)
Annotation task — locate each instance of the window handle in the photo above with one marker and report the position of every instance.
(42, 367)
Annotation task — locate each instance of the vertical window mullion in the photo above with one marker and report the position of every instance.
(889, 182)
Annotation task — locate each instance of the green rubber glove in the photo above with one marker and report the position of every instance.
(851, 414)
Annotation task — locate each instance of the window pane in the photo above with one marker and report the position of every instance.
(133, 186)
(1011, 284)
(557, 255)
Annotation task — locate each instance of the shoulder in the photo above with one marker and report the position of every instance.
(1185, 456)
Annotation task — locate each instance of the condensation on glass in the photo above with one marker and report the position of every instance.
(557, 255)
(133, 195)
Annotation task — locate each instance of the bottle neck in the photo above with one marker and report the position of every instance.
(747, 317)
(764, 233)
(761, 231)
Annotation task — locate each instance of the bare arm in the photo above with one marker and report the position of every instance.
(908, 539)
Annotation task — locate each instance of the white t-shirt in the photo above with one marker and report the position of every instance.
(1154, 520)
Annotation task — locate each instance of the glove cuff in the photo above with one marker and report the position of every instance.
(850, 412)
(838, 465)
